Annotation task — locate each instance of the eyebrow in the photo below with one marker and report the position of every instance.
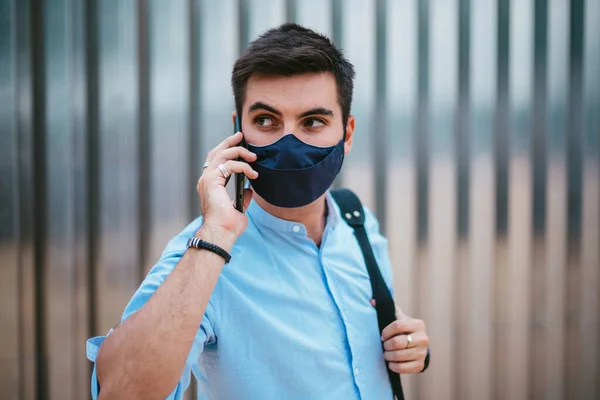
(259, 105)
(316, 111)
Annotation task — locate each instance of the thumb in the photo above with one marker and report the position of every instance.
(247, 198)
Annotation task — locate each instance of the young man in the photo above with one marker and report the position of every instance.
(291, 314)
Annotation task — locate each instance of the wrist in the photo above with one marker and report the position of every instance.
(217, 235)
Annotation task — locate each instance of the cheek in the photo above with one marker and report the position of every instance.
(330, 136)
(258, 138)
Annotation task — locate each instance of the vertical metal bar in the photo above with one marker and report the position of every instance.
(337, 29)
(538, 149)
(81, 317)
(538, 143)
(39, 193)
(337, 23)
(291, 10)
(380, 125)
(10, 362)
(501, 143)
(25, 122)
(421, 164)
(519, 201)
(195, 151)
(143, 141)
(243, 24)
(501, 135)
(556, 206)
(574, 145)
(462, 156)
(92, 191)
(590, 209)
(481, 231)
(573, 349)
(462, 121)
(421, 128)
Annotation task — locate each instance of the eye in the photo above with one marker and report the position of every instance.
(314, 123)
(264, 121)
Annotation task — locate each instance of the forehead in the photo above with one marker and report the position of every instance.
(293, 93)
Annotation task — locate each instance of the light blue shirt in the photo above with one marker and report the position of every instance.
(287, 319)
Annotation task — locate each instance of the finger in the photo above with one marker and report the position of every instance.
(407, 325)
(400, 342)
(232, 167)
(412, 354)
(230, 141)
(411, 367)
(233, 153)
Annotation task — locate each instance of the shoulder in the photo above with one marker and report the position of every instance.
(371, 223)
(350, 201)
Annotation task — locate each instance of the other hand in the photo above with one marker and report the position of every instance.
(405, 344)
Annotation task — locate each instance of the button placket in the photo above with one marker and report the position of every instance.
(333, 283)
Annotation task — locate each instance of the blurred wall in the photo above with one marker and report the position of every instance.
(477, 145)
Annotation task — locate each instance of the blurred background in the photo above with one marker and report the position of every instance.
(477, 146)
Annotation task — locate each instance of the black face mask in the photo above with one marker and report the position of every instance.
(292, 173)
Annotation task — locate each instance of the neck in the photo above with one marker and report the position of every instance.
(312, 216)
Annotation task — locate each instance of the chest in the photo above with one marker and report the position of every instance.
(302, 313)
(287, 287)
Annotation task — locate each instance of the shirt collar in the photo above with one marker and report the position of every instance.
(262, 218)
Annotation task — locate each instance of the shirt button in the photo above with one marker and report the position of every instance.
(296, 229)
(356, 371)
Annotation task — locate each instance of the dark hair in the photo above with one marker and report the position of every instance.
(291, 49)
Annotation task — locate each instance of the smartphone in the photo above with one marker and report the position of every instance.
(240, 179)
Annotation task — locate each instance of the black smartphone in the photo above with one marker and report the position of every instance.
(240, 179)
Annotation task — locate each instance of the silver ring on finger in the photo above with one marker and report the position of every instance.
(409, 340)
(224, 171)
(206, 164)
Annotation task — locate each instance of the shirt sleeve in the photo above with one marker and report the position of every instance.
(380, 248)
(153, 280)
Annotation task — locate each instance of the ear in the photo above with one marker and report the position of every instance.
(349, 134)
(233, 115)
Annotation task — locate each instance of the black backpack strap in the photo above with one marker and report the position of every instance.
(353, 213)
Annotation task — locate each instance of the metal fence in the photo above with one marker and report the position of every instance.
(477, 145)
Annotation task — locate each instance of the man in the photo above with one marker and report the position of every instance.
(275, 302)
